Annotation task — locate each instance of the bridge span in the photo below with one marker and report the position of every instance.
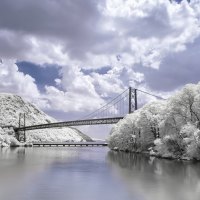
(70, 123)
(110, 113)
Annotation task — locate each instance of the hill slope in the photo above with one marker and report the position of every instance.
(10, 108)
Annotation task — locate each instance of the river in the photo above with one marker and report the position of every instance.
(94, 173)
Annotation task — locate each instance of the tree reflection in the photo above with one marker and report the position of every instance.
(157, 178)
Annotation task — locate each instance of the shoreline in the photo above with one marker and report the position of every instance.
(187, 159)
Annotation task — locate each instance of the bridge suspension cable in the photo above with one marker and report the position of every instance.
(153, 95)
(114, 108)
(119, 105)
(111, 108)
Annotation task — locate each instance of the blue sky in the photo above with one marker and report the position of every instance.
(44, 75)
(75, 56)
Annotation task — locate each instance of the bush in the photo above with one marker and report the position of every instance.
(193, 150)
(174, 145)
(187, 131)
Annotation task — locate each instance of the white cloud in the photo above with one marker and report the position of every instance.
(71, 101)
(145, 33)
(16, 82)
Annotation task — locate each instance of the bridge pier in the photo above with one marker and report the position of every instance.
(132, 94)
(135, 95)
(23, 116)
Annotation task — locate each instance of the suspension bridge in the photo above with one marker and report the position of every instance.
(110, 113)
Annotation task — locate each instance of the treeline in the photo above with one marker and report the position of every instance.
(168, 128)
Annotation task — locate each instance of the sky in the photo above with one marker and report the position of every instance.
(69, 57)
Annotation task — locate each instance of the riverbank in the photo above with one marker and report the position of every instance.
(152, 153)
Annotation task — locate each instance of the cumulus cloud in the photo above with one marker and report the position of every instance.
(16, 82)
(71, 101)
(148, 44)
(176, 70)
(69, 22)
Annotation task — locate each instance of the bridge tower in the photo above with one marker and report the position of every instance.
(133, 105)
(23, 117)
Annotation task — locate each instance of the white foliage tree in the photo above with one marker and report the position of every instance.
(176, 121)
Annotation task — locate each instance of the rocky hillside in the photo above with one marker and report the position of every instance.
(10, 108)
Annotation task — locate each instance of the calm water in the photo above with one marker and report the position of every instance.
(94, 174)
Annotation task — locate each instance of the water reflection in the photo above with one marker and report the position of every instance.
(20, 167)
(94, 173)
(58, 173)
(157, 179)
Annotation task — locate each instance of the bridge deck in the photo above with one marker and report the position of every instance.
(72, 123)
(69, 144)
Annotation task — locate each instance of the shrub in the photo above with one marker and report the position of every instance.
(193, 150)
(174, 145)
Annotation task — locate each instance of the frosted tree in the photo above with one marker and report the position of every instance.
(182, 109)
(138, 130)
(150, 118)
(123, 135)
(176, 120)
